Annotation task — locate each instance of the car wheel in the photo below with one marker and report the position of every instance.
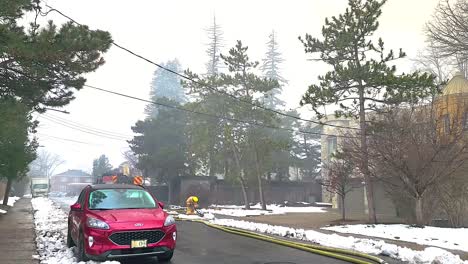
(166, 257)
(81, 249)
(70, 242)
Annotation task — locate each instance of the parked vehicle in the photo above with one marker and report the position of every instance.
(39, 187)
(111, 221)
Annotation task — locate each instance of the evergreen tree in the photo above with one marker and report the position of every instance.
(271, 69)
(101, 165)
(43, 66)
(17, 150)
(215, 35)
(360, 79)
(161, 144)
(166, 85)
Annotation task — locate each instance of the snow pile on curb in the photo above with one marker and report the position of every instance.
(206, 216)
(273, 209)
(11, 202)
(376, 247)
(51, 229)
(451, 238)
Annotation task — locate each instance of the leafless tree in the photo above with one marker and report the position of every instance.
(340, 172)
(413, 153)
(432, 61)
(45, 164)
(448, 31)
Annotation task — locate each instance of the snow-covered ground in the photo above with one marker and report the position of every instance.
(377, 247)
(451, 238)
(11, 202)
(51, 229)
(272, 209)
(206, 216)
(65, 200)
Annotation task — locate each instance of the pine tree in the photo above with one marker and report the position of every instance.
(215, 35)
(166, 85)
(361, 79)
(271, 69)
(45, 65)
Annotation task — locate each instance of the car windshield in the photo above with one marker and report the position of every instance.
(110, 199)
(40, 186)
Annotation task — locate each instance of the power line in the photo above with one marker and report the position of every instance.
(84, 130)
(203, 84)
(212, 115)
(67, 139)
(97, 130)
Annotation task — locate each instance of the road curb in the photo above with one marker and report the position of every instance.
(341, 254)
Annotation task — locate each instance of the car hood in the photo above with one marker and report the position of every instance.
(153, 217)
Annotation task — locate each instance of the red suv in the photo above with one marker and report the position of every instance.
(111, 221)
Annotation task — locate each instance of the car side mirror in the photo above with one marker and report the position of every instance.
(75, 207)
(161, 204)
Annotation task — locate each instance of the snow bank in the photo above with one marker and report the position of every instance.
(451, 238)
(65, 200)
(272, 209)
(206, 216)
(51, 229)
(11, 202)
(376, 247)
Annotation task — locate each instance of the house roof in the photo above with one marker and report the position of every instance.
(73, 173)
(457, 85)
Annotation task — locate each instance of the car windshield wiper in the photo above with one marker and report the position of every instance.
(103, 209)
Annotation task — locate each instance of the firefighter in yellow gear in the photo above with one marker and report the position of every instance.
(192, 203)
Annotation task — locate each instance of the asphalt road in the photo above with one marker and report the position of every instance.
(200, 244)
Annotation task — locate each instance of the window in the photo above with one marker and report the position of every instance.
(331, 146)
(81, 198)
(120, 199)
(446, 120)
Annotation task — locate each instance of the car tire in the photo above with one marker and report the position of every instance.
(81, 249)
(70, 242)
(166, 257)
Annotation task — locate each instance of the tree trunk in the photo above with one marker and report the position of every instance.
(259, 178)
(241, 177)
(244, 192)
(343, 208)
(7, 191)
(365, 160)
(419, 211)
(212, 162)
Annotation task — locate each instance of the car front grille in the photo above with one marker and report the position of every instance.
(125, 238)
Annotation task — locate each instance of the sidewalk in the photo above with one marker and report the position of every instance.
(17, 236)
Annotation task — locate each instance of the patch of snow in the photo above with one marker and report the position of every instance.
(320, 203)
(51, 229)
(66, 200)
(450, 238)
(377, 247)
(3, 211)
(11, 200)
(272, 209)
(27, 196)
(206, 216)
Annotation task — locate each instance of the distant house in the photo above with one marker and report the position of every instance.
(71, 181)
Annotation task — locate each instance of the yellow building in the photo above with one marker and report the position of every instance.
(452, 105)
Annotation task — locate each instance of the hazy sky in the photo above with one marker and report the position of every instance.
(163, 30)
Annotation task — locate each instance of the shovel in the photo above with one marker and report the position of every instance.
(199, 213)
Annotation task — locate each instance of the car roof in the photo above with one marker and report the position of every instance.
(115, 186)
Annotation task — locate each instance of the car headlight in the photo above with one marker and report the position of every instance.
(96, 223)
(169, 221)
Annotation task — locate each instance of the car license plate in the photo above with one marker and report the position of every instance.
(139, 243)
